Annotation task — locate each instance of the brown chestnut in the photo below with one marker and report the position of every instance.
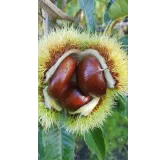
(61, 78)
(90, 77)
(72, 98)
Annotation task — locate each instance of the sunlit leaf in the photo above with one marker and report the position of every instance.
(118, 9)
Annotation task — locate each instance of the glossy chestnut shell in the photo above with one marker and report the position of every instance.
(61, 78)
(90, 77)
(72, 98)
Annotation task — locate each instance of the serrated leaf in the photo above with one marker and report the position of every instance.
(118, 9)
(59, 144)
(88, 8)
(95, 142)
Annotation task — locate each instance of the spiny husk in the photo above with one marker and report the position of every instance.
(53, 46)
(47, 117)
(80, 125)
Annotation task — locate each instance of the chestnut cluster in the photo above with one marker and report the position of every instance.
(73, 94)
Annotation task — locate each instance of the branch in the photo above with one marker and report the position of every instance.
(53, 11)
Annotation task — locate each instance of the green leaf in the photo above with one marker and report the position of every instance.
(68, 1)
(59, 3)
(122, 104)
(71, 11)
(88, 8)
(95, 142)
(106, 16)
(116, 136)
(118, 9)
(41, 153)
(124, 43)
(59, 144)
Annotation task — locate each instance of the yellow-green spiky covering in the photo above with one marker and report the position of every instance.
(96, 119)
(53, 46)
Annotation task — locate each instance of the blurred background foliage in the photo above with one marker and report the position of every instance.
(115, 135)
(115, 129)
(101, 15)
(100, 8)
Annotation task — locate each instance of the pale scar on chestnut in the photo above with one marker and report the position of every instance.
(90, 82)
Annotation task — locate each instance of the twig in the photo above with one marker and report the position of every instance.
(77, 14)
(41, 16)
(111, 25)
(53, 11)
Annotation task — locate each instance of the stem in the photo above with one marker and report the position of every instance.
(53, 11)
(110, 26)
